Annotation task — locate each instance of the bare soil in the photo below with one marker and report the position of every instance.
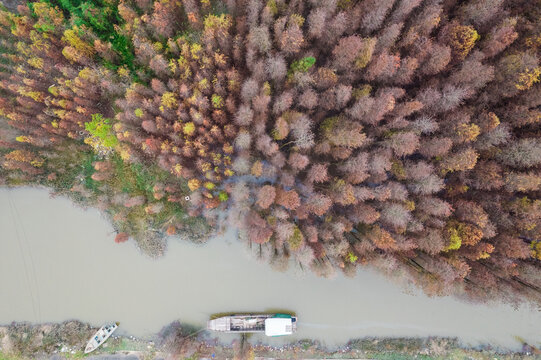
(66, 341)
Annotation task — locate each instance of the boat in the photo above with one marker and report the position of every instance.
(270, 324)
(100, 337)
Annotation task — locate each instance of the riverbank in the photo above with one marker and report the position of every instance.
(54, 235)
(176, 341)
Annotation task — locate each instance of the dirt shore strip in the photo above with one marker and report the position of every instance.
(21, 341)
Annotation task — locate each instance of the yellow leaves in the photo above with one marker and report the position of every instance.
(188, 128)
(184, 68)
(123, 71)
(530, 227)
(229, 172)
(484, 255)
(351, 257)
(34, 95)
(233, 85)
(217, 101)
(297, 19)
(462, 39)
(90, 141)
(23, 139)
(365, 55)
(47, 15)
(145, 18)
(157, 46)
(220, 59)
(398, 170)
(176, 170)
(138, 112)
(71, 36)
(468, 132)
(20, 70)
(456, 189)
(194, 184)
(23, 49)
(228, 148)
(37, 162)
(410, 205)
(60, 113)
(206, 167)
(455, 242)
(173, 66)
(87, 73)
(267, 90)
(54, 124)
(536, 249)
(272, 7)
(53, 90)
(344, 192)
(130, 92)
(527, 78)
(124, 152)
(195, 50)
(19, 155)
(71, 54)
(5, 18)
(533, 42)
(63, 103)
(19, 26)
(203, 84)
(464, 160)
(296, 239)
(165, 146)
(219, 23)
(24, 156)
(35, 62)
(208, 195)
(169, 100)
(117, 126)
(40, 41)
(216, 158)
(460, 233)
(480, 251)
(13, 116)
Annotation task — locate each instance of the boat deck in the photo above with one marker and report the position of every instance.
(248, 324)
(269, 324)
(243, 323)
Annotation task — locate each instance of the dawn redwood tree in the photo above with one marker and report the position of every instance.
(398, 134)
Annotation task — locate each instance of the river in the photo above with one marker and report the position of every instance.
(60, 262)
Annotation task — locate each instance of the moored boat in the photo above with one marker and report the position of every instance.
(270, 324)
(100, 336)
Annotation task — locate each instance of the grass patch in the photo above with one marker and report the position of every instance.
(4, 356)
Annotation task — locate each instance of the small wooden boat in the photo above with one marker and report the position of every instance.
(100, 336)
(270, 324)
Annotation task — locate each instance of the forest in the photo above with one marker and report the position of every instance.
(401, 135)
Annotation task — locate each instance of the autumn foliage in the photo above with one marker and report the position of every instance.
(398, 134)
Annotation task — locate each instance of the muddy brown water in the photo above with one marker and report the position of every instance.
(60, 262)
